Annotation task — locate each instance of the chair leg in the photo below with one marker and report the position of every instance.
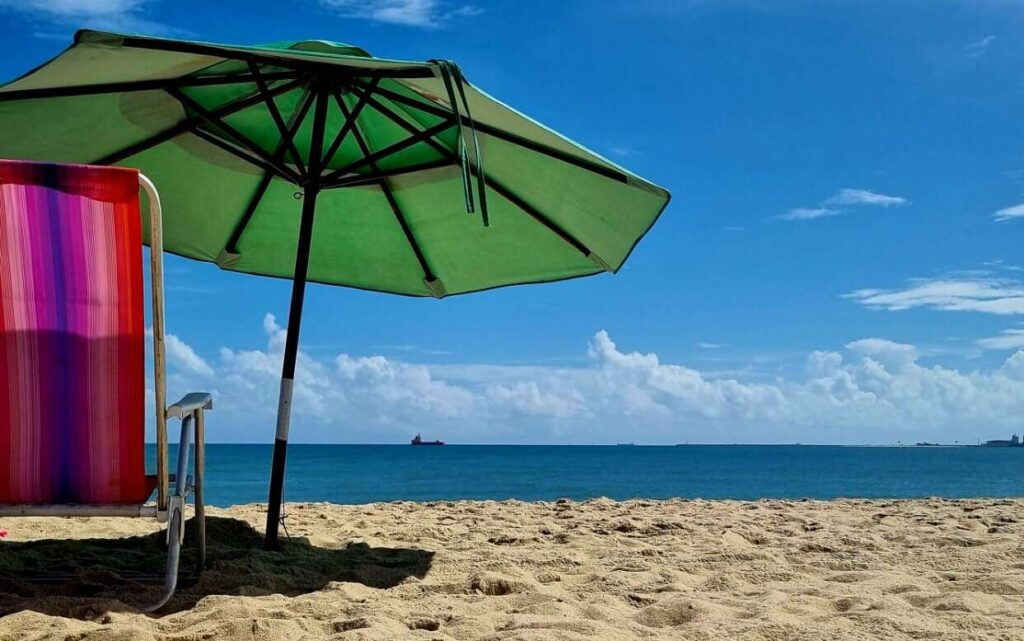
(200, 464)
(176, 517)
(200, 520)
(174, 533)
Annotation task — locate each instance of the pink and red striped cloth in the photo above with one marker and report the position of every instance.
(71, 335)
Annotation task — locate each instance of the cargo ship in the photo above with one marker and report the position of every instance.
(1013, 442)
(418, 440)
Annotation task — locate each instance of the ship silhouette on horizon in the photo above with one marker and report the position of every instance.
(418, 440)
(1014, 441)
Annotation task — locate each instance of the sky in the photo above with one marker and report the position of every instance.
(840, 262)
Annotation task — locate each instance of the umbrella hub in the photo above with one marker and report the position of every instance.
(319, 46)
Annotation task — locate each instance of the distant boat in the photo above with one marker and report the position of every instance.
(418, 440)
(626, 444)
(1014, 441)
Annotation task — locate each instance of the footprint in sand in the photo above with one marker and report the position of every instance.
(672, 614)
(424, 623)
(496, 585)
(350, 624)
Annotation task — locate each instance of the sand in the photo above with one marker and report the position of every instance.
(767, 570)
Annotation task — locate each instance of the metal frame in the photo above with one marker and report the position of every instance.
(170, 504)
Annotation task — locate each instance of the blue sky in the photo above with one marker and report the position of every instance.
(840, 261)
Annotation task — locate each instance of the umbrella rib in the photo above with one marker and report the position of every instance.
(189, 123)
(350, 119)
(490, 130)
(231, 246)
(428, 275)
(136, 85)
(241, 138)
(391, 149)
(275, 113)
(375, 177)
(239, 153)
(499, 188)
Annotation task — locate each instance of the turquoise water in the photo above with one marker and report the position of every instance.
(367, 473)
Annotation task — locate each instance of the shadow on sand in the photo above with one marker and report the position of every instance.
(83, 578)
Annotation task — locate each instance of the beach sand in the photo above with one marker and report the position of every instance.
(766, 570)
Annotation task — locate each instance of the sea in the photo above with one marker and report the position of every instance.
(238, 474)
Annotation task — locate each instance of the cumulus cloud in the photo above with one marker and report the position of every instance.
(841, 201)
(427, 14)
(1009, 213)
(973, 294)
(181, 355)
(875, 390)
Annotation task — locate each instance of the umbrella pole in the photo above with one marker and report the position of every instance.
(291, 346)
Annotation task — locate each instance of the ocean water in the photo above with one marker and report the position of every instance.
(368, 473)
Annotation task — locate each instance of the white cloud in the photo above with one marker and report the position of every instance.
(979, 48)
(409, 348)
(181, 355)
(835, 205)
(878, 392)
(428, 14)
(1009, 213)
(1007, 339)
(111, 15)
(890, 353)
(77, 8)
(809, 213)
(712, 345)
(864, 197)
(972, 294)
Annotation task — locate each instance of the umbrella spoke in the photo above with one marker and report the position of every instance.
(390, 150)
(437, 145)
(241, 138)
(432, 282)
(375, 177)
(497, 186)
(242, 154)
(189, 123)
(541, 148)
(326, 67)
(138, 85)
(275, 113)
(231, 247)
(350, 119)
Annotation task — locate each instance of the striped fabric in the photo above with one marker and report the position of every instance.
(71, 335)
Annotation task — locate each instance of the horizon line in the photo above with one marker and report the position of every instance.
(718, 444)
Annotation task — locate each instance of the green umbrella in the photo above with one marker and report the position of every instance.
(411, 180)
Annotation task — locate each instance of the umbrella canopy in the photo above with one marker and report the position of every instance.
(410, 179)
(226, 133)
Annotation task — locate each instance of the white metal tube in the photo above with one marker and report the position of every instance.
(156, 260)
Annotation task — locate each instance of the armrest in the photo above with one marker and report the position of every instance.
(189, 404)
